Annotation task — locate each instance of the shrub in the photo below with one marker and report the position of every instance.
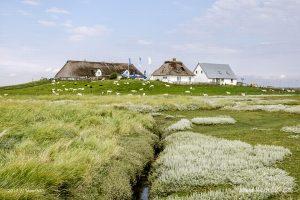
(213, 120)
(113, 76)
(291, 129)
(191, 160)
(181, 125)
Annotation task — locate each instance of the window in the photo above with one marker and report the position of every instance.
(196, 72)
(190, 79)
(201, 72)
(178, 78)
(165, 77)
(231, 80)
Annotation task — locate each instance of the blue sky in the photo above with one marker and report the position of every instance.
(259, 38)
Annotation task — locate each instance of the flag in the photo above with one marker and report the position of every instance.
(140, 62)
(149, 61)
(129, 63)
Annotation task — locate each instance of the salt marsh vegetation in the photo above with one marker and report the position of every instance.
(213, 120)
(224, 169)
(291, 129)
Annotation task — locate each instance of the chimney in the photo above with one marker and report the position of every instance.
(174, 59)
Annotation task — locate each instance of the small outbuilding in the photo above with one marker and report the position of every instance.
(214, 73)
(76, 70)
(173, 72)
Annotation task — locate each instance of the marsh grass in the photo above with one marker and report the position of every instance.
(55, 150)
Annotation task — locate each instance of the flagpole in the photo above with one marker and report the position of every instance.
(128, 67)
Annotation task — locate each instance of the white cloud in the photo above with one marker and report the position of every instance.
(24, 13)
(144, 42)
(282, 76)
(47, 23)
(67, 24)
(31, 2)
(57, 10)
(82, 32)
(49, 69)
(255, 36)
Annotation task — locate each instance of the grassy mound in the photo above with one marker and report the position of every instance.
(134, 87)
(54, 150)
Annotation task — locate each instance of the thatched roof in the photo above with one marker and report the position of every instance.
(77, 69)
(173, 68)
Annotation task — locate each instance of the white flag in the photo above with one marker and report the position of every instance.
(149, 61)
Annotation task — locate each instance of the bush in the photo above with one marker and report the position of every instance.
(242, 171)
(113, 76)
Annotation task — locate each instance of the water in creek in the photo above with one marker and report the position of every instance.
(141, 189)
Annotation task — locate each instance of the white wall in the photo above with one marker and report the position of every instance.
(201, 77)
(173, 79)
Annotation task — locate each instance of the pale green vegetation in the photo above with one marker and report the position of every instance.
(96, 146)
(55, 150)
(181, 125)
(191, 160)
(213, 120)
(291, 129)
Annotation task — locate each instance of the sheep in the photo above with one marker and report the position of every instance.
(151, 86)
(188, 92)
(228, 93)
(206, 95)
(79, 94)
(141, 89)
(117, 93)
(108, 91)
(133, 91)
(243, 94)
(167, 85)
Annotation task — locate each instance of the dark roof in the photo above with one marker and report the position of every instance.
(87, 69)
(217, 70)
(173, 68)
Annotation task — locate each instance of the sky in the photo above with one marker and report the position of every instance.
(260, 39)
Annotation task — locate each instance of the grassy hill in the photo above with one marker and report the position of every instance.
(109, 87)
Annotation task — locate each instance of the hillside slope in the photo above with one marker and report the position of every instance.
(121, 87)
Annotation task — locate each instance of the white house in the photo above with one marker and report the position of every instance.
(214, 73)
(173, 72)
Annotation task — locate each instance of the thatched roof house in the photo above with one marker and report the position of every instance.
(174, 72)
(74, 70)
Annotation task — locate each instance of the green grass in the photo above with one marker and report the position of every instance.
(268, 132)
(78, 150)
(101, 87)
(86, 147)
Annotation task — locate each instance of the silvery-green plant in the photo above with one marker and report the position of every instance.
(181, 125)
(213, 120)
(192, 160)
(291, 129)
(268, 108)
